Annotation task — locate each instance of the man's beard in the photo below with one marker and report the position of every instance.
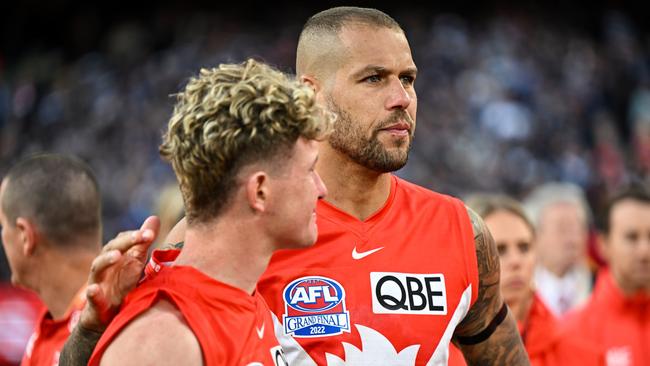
(348, 138)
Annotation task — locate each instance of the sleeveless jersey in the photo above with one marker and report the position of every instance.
(232, 327)
(389, 290)
(45, 344)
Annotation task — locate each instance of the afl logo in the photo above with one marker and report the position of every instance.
(315, 306)
(311, 294)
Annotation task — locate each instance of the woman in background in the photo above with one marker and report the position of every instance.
(514, 236)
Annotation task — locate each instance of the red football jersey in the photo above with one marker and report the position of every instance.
(389, 290)
(618, 324)
(232, 327)
(45, 344)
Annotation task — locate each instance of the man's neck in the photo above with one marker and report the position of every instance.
(60, 279)
(228, 250)
(351, 187)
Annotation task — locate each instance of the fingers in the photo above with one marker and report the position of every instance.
(97, 299)
(102, 262)
(94, 296)
(96, 314)
(144, 238)
(146, 234)
(127, 239)
(151, 223)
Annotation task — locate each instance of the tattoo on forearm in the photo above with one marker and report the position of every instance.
(504, 346)
(79, 347)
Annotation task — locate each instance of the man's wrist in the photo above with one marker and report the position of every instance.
(88, 332)
(79, 346)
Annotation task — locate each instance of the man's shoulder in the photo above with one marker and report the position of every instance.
(159, 334)
(161, 314)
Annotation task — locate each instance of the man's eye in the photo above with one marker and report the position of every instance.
(372, 79)
(407, 80)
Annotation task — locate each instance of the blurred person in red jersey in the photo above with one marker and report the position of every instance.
(561, 217)
(617, 315)
(19, 310)
(50, 210)
(243, 142)
(514, 235)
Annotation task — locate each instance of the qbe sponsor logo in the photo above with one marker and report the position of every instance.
(408, 293)
(315, 307)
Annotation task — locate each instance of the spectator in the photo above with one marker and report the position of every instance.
(514, 235)
(617, 315)
(561, 216)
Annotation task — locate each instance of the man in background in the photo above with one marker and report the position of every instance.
(50, 210)
(617, 315)
(561, 217)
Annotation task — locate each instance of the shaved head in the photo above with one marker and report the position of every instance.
(59, 193)
(320, 50)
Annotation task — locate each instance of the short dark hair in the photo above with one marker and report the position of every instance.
(332, 20)
(635, 191)
(58, 192)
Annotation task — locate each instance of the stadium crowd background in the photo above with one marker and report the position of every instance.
(509, 97)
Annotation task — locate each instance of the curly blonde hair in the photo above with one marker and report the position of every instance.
(231, 116)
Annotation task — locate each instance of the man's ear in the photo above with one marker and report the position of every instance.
(257, 190)
(28, 235)
(312, 82)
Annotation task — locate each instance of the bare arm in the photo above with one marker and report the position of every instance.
(79, 347)
(160, 336)
(503, 346)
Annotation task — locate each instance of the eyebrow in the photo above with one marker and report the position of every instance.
(382, 71)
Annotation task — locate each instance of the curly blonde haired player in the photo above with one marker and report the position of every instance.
(242, 139)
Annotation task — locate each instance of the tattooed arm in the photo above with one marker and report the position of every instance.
(479, 345)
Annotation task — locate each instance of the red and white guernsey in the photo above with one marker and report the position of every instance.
(389, 290)
(232, 327)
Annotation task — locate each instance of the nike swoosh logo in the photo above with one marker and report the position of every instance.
(360, 255)
(260, 331)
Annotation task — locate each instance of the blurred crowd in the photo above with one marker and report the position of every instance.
(506, 103)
